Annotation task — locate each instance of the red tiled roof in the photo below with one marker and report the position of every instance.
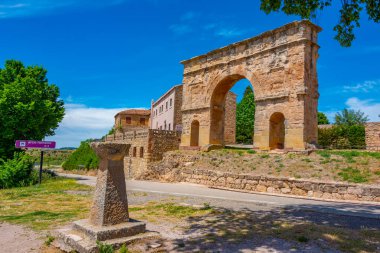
(135, 112)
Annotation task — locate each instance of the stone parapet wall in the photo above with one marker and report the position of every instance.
(372, 135)
(146, 146)
(272, 185)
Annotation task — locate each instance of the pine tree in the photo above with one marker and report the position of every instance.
(245, 117)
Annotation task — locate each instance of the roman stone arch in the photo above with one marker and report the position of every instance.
(281, 66)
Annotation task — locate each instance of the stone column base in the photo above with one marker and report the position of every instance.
(82, 236)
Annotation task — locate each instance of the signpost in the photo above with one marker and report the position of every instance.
(29, 144)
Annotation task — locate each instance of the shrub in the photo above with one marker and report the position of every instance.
(342, 137)
(17, 171)
(82, 158)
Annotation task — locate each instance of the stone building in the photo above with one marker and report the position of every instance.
(132, 119)
(166, 113)
(145, 146)
(281, 66)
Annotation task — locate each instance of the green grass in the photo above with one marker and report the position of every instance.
(265, 156)
(324, 153)
(308, 160)
(155, 212)
(44, 206)
(354, 175)
(348, 154)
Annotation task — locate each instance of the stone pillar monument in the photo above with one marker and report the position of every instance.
(109, 220)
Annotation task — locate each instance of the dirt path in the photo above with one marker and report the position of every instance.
(16, 239)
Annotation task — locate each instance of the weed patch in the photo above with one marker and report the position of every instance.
(354, 175)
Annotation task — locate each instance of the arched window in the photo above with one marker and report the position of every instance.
(141, 152)
(277, 131)
(134, 152)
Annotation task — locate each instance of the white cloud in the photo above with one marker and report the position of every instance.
(82, 122)
(229, 32)
(369, 107)
(366, 86)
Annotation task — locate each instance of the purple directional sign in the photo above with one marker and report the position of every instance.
(35, 144)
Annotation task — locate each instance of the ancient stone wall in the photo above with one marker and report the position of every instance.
(146, 146)
(298, 187)
(281, 66)
(372, 135)
(177, 108)
(173, 168)
(230, 119)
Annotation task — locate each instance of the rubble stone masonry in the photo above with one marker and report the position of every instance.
(372, 135)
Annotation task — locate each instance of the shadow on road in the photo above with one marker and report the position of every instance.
(282, 230)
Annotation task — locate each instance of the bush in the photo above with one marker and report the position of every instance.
(82, 158)
(17, 171)
(342, 137)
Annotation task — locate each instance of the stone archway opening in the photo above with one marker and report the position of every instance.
(277, 131)
(219, 118)
(194, 141)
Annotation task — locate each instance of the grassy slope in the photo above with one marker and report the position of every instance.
(349, 166)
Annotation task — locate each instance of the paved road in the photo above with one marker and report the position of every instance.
(234, 198)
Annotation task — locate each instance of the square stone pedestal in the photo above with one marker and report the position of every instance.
(82, 236)
(109, 220)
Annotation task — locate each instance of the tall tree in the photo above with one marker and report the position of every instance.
(30, 107)
(322, 119)
(349, 13)
(350, 118)
(245, 117)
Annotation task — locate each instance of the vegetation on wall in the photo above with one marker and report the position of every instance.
(348, 131)
(342, 137)
(245, 117)
(82, 158)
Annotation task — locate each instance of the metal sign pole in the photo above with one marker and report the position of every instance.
(41, 164)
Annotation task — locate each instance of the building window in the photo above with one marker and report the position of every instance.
(166, 105)
(134, 152)
(128, 120)
(169, 127)
(142, 121)
(171, 102)
(141, 152)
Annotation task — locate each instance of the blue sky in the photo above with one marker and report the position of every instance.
(107, 55)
